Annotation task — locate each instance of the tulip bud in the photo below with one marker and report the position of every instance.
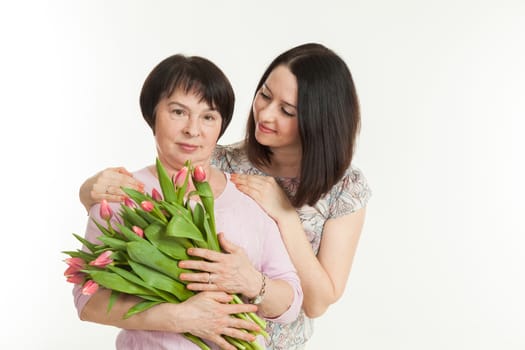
(77, 263)
(147, 206)
(71, 270)
(199, 175)
(128, 202)
(105, 210)
(103, 259)
(156, 195)
(138, 231)
(90, 288)
(180, 177)
(76, 278)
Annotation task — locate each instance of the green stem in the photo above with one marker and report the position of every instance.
(236, 342)
(196, 340)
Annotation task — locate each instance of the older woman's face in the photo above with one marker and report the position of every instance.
(186, 128)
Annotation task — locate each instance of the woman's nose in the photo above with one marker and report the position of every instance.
(192, 127)
(267, 113)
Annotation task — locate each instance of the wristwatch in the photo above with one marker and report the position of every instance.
(259, 297)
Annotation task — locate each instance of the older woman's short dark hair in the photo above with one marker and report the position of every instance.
(328, 117)
(192, 74)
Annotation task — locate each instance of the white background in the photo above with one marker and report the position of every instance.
(441, 83)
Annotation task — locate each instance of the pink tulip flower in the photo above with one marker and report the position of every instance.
(128, 202)
(138, 231)
(103, 259)
(76, 278)
(147, 206)
(76, 262)
(199, 175)
(90, 288)
(71, 270)
(156, 195)
(105, 210)
(180, 177)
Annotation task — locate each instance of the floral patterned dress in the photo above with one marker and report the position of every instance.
(348, 195)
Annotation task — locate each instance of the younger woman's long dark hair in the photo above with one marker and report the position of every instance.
(329, 119)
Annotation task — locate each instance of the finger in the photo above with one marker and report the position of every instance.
(222, 343)
(202, 277)
(238, 308)
(239, 334)
(120, 177)
(123, 170)
(251, 180)
(202, 287)
(226, 245)
(250, 191)
(207, 254)
(98, 197)
(200, 265)
(243, 324)
(107, 188)
(221, 297)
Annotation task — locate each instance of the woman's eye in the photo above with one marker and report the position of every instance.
(288, 113)
(265, 96)
(209, 117)
(178, 112)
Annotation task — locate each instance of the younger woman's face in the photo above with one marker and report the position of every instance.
(275, 110)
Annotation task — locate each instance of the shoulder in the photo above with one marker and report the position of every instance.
(351, 193)
(233, 200)
(354, 179)
(232, 158)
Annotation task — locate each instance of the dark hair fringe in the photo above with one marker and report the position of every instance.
(192, 74)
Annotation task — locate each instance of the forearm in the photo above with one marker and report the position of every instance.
(84, 193)
(318, 288)
(95, 310)
(278, 297)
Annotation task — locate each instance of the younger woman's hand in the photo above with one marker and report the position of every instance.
(107, 184)
(266, 192)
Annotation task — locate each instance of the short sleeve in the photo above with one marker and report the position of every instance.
(350, 194)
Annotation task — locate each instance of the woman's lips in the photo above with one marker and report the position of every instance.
(187, 147)
(265, 129)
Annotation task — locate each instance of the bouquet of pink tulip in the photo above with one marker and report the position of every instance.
(140, 250)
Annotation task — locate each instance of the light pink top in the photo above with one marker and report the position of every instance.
(245, 224)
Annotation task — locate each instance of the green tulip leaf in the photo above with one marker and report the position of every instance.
(114, 243)
(161, 281)
(173, 247)
(128, 233)
(145, 253)
(116, 282)
(181, 226)
(112, 299)
(91, 246)
(135, 195)
(140, 307)
(166, 185)
(131, 218)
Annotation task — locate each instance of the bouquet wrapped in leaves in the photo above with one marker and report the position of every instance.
(140, 250)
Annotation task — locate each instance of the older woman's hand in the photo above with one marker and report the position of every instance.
(208, 315)
(231, 272)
